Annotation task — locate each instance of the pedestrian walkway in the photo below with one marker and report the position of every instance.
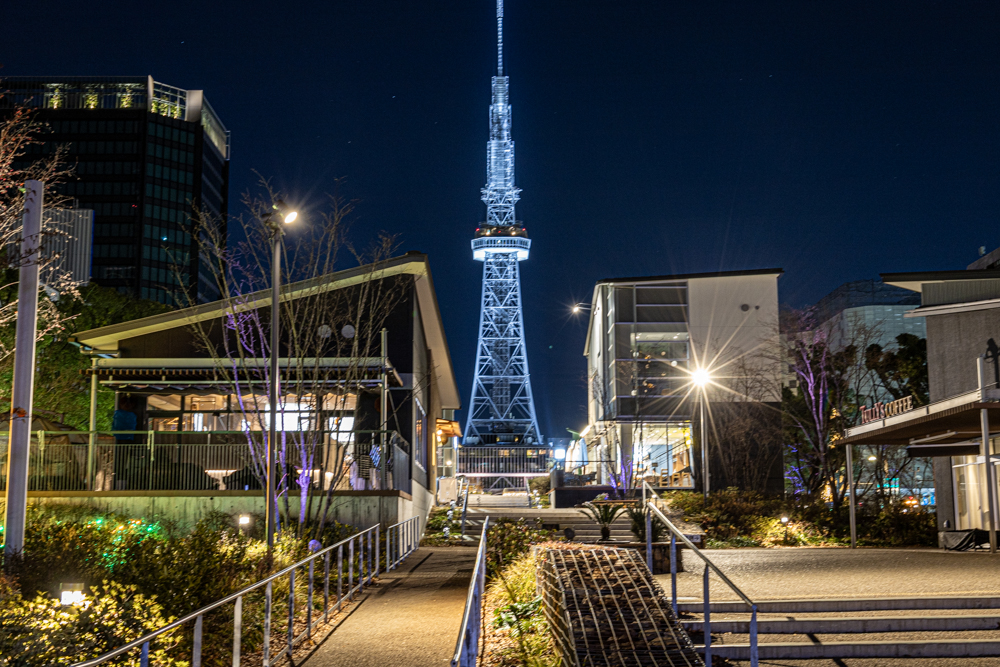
(410, 618)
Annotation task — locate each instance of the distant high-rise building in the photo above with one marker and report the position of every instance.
(146, 154)
(872, 305)
(67, 244)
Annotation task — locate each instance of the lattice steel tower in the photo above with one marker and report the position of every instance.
(502, 410)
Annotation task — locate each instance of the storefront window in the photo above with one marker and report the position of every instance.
(662, 454)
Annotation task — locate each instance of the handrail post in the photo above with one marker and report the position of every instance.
(237, 631)
(196, 652)
(291, 611)
(326, 587)
(361, 563)
(144, 656)
(378, 546)
(152, 456)
(340, 575)
(267, 625)
(309, 602)
(753, 636)
(673, 572)
(707, 625)
(649, 537)
(350, 570)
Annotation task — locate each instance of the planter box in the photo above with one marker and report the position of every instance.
(661, 554)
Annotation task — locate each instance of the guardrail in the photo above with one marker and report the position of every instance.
(198, 460)
(651, 503)
(467, 646)
(367, 558)
(478, 461)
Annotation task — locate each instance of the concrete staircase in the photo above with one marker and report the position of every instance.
(903, 627)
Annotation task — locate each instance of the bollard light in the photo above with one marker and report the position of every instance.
(70, 594)
(244, 519)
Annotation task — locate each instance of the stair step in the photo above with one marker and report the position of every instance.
(931, 648)
(842, 625)
(846, 604)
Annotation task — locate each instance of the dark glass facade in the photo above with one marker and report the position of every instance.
(146, 155)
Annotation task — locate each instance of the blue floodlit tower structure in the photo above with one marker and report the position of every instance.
(502, 410)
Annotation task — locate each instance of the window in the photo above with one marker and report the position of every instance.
(420, 434)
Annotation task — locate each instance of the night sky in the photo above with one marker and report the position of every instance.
(834, 139)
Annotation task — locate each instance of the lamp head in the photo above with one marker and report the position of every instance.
(285, 212)
(784, 519)
(700, 377)
(576, 309)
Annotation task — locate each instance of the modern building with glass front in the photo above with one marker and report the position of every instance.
(145, 155)
(648, 339)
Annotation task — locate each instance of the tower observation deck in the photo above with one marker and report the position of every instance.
(502, 409)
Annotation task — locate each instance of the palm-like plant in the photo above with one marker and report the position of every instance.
(604, 515)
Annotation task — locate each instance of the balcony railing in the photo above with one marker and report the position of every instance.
(208, 460)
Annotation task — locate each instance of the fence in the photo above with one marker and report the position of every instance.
(503, 461)
(652, 502)
(201, 460)
(366, 557)
(467, 646)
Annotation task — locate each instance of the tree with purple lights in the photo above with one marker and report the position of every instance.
(329, 339)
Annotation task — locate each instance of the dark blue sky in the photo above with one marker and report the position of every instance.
(834, 139)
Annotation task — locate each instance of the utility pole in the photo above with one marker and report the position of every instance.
(987, 455)
(22, 394)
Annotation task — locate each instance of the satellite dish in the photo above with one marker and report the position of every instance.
(348, 331)
(324, 331)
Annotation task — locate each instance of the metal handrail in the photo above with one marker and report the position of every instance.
(467, 646)
(405, 532)
(709, 567)
(465, 506)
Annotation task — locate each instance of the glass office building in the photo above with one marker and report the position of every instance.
(146, 155)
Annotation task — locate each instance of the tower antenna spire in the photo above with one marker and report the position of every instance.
(499, 37)
(502, 409)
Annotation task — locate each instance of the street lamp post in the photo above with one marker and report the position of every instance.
(701, 378)
(274, 221)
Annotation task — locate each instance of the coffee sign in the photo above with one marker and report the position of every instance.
(882, 410)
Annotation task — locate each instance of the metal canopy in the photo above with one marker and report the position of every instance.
(957, 424)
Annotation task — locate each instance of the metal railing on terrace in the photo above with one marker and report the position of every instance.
(206, 460)
(503, 461)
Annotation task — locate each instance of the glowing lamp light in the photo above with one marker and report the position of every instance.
(784, 519)
(244, 520)
(71, 594)
(560, 453)
(576, 309)
(700, 377)
(448, 462)
(290, 217)
(872, 458)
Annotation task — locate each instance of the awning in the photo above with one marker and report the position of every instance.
(954, 425)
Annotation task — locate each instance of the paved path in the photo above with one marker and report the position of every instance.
(841, 573)
(410, 618)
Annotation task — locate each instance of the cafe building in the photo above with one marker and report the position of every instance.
(960, 426)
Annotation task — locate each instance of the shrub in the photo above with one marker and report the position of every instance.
(637, 515)
(518, 635)
(508, 540)
(42, 632)
(540, 484)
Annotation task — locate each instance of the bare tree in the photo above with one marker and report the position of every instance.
(19, 133)
(329, 337)
(746, 424)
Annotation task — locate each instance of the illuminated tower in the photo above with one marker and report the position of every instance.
(502, 410)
